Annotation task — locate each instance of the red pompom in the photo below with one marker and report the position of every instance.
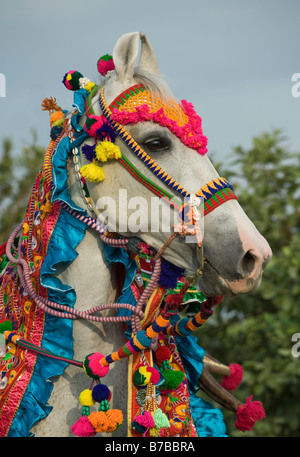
(174, 300)
(231, 381)
(248, 414)
(155, 376)
(162, 353)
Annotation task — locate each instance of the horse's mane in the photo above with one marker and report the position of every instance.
(154, 83)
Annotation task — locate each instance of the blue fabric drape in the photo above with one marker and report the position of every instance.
(58, 333)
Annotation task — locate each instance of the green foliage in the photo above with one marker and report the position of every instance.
(16, 180)
(256, 329)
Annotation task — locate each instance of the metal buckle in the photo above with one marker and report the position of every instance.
(201, 261)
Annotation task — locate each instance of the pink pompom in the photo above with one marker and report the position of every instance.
(93, 367)
(145, 419)
(248, 414)
(232, 381)
(105, 64)
(92, 124)
(83, 427)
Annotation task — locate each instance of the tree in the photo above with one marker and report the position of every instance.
(256, 329)
(16, 180)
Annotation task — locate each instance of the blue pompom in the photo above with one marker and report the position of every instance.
(100, 392)
(89, 152)
(169, 275)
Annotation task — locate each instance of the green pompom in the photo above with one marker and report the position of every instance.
(160, 419)
(139, 379)
(173, 379)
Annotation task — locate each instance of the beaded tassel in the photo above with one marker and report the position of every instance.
(152, 418)
(105, 419)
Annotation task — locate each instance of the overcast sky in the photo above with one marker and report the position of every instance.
(232, 59)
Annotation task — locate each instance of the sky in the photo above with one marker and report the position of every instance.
(234, 60)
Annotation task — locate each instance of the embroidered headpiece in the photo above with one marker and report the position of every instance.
(137, 104)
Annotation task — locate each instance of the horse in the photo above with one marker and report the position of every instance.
(127, 141)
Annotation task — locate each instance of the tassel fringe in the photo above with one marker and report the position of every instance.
(248, 414)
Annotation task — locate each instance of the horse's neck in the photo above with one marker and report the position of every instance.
(91, 277)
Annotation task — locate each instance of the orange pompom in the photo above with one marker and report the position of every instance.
(99, 421)
(115, 417)
(57, 118)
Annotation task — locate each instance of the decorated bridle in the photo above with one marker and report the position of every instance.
(105, 128)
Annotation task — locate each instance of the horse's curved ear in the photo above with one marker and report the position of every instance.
(125, 55)
(148, 60)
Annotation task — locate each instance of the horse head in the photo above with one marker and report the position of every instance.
(129, 142)
(168, 134)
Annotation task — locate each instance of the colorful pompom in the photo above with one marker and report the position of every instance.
(138, 427)
(93, 367)
(155, 375)
(248, 414)
(101, 392)
(106, 421)
(99, 421)
(143, 422)
(115, 417)
(107, 150)
(173, 379)
(55, 132)
(71, 80)
(169, 275)
(57, 118)
(105, 64)
(146, 374)
(88, 152)
(160, 419)
(162, 354)
(92, 172)
(232, 381)
(85, 398)
(92, 124)
(83, 427)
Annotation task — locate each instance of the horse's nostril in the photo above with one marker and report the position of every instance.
(248, 263)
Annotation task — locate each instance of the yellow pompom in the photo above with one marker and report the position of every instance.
(92, 172)
(89, 86)
(85, 398)
(107, 150)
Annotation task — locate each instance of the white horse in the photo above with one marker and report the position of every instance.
(235, 252)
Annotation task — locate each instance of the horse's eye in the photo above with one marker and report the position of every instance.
(156, 144)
